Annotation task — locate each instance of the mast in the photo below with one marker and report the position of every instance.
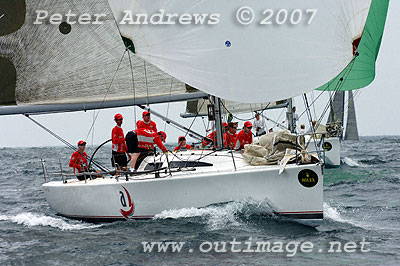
(218, 122)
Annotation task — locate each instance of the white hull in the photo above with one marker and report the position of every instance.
(332, 151)
(103, 199)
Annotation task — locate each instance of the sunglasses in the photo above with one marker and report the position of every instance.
(82, 145)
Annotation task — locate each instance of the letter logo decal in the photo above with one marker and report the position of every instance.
(131, 204)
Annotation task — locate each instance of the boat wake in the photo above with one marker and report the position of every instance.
(351, 162)
(220, 216)
(31, 219)
(333, 213)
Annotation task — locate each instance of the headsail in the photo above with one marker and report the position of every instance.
(47, 68)
(247, 63)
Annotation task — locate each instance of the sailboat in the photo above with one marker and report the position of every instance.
(358, 74)
(71, 67)
(336, 127)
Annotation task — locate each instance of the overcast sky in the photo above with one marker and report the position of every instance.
(376, 107)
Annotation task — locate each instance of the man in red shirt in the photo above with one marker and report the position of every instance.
(245, 136)
(119, 149)
(140, 143)
(213, 135)
(79, 160)
(163, 136)
(230, 137)
(182, 144)
(146, 123)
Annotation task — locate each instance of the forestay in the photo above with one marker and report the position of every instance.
(247, 63)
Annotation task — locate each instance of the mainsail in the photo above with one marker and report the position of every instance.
(247, 63)
(66, 67)
(351, 125)
(337, 108)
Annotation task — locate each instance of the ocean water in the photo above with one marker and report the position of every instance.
(361, 205)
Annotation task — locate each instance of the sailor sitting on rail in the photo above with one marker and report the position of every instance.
(182, 144)
(79, 160)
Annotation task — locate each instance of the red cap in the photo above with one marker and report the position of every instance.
(145, 113)
(117, 117)
(81, 142)
(224, 124)
(163, 134)
(181, 137)
(248, 124)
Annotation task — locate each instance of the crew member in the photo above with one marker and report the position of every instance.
(140, 143)
(295, 118)
(146, 123)
(259, 125)
(245, 136)
(182, 144)
(230, 137)
(163, 136)
(119, 149)
(213, 135)
(79, 160)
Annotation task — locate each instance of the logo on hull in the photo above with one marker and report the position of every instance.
(327, 146)
(308, 178)
(130, 205)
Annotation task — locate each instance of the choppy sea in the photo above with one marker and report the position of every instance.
(361, 205)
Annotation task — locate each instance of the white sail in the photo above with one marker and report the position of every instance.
(247, 63)
(47, 70)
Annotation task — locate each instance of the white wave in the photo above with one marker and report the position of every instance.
(332, 213)
(31, 219)
(217, 217)
(335, 215)
(352, 163)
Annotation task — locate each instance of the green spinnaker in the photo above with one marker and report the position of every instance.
(360, 72)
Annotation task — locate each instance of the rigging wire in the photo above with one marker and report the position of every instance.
(105, 96)
(170, 92)
(310, 121)
(147, 86)
(194, 119)
(134, 90)
(69, 145)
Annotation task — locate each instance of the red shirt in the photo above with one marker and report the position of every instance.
(148, 138)
(213, 136)
(187, 147)
(78, 160)
(245, 138)
(231, 141)
(118, 140)
(150, 125)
